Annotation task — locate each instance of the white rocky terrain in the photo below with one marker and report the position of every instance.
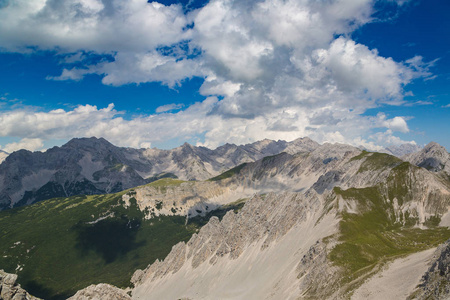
(284, 243)
(11, 290)
(100, 292)
(173, 197)
(95, 166)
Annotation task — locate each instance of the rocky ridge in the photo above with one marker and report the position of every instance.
(322, 169)
(94, 166)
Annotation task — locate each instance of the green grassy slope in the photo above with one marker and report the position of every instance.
(229, 173)
(56, 248)
(372, 237)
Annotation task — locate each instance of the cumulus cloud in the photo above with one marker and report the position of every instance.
(271, 68)
(88, 120)
(25, 143)
(396, 124)
(169, 107)
(101, 26)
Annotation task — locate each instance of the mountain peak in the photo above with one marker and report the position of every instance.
(87, 142)
(433, 145)
(433, 157)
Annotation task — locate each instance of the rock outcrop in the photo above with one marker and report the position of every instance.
(435, 283)
(185, 198)
(11, 290)
(100, 292)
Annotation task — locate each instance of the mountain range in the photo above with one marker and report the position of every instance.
(269, 220)
(89, 166)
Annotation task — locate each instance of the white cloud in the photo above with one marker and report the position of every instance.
(282, 69)
(195, 121)
(396, 124)
(99, 26)
(169, 107)
(387, 138)
(25, 143)
(420, 102)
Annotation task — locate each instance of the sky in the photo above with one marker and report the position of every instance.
(157, 74)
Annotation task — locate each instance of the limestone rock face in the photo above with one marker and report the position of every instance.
(188, 198)
(100, 292)
(435, 283)
(258, 249)
(10, 290)
(316, 273)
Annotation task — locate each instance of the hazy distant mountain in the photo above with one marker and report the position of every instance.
(94, 166)
(403, 149)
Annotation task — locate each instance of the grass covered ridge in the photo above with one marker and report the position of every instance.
(376, 161)
(373, 236)
(229, 173)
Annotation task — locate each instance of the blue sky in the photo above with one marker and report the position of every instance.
(370, 73)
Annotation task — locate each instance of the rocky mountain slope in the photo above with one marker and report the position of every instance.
(435, 283)
(285, 246)
(319, 222)
(94, 166)
(322, 223)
